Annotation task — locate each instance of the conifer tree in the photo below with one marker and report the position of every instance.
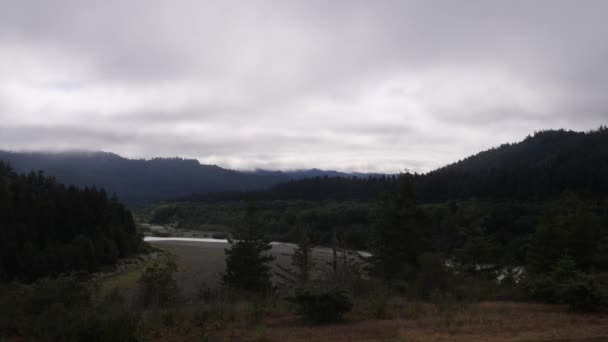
(302, 261)
(248, 260)
(397, 239)
(478, 249)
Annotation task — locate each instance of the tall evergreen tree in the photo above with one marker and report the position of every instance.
(397, 239)
(248, 260)
(478, 248)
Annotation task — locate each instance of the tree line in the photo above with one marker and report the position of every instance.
(319, 188)
(47, 228)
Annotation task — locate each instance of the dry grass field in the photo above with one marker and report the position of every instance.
(486, 321)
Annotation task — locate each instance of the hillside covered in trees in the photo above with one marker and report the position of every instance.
(340, 188)
(539, 167)
(47, 228)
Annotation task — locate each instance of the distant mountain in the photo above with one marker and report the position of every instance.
(139, 181)
(542, 165)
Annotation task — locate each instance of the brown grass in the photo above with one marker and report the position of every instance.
(490, 321)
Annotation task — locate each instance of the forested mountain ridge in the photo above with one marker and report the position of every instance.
(540, 166)
(535, 150)
(140, 181)
(318, 188)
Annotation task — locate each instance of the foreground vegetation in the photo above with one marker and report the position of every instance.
(70, 309)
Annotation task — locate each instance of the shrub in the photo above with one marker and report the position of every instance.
(321, 306)
(583, 293)
(157, 285)
(541, 288)
(565, 284)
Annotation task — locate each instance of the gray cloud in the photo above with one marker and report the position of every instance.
(379, 86)
(57, 137)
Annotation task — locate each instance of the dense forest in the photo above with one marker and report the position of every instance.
(47, 228)
(366, 188)
(539, 167)
(349, 219)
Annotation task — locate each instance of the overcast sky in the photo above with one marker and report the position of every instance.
(347, 85)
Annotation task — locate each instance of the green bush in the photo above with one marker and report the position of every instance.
(583, 293)
(545, 287)
(157, 285)
(541, 288)
(321, 306)
(564, 284)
